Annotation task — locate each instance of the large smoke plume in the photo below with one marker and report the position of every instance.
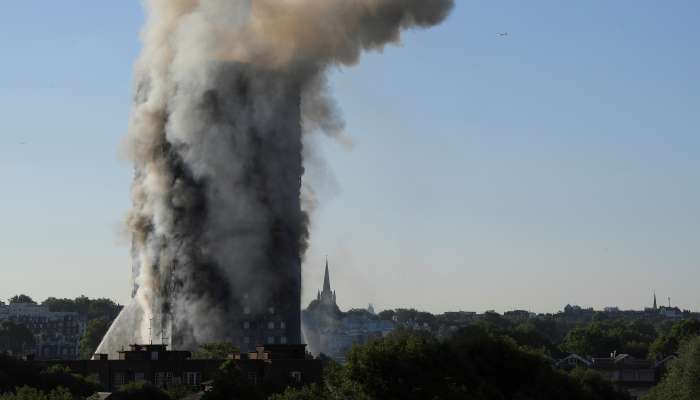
(227, 94)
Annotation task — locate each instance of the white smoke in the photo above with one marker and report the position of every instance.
(217, 156)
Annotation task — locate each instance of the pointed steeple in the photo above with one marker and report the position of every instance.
(326, 279)
(654, 300)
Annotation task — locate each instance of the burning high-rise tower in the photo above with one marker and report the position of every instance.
(228, 95)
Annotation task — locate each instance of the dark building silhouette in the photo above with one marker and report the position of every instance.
(272, 367)
(244, 267)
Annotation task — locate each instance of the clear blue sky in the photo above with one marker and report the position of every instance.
(556, 165)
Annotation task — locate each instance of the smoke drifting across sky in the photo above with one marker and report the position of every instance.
(218, 148)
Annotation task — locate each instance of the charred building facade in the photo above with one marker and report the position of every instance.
(215, 137)
(257, 281)
(217, 254)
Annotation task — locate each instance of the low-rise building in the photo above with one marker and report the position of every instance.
(573, 361)
(635, 375)
(271, 366)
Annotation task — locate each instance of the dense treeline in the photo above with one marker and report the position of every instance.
(17, 374)
(683, 380)
(472, 364)
(596, 334)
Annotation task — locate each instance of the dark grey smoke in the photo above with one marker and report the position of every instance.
(227, 93)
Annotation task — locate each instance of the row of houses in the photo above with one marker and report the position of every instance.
(636, 375)
(56, 334)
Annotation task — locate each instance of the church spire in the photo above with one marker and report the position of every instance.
(654, 300)
(326, 279)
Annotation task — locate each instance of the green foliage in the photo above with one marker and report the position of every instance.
(528, 337)
(669, 342)
(178, 392)
(599, 339)
(683, 379)
(89, 308)
(495, 323)
(339, 386)
(14, 373)
(139, 391)
(60, 376)
(30, 393)
(471, 365)
(230, 383)
(21, 298)
(215, 351)
(387, 315)
(595, 385)
(15, 338)
(576, 329)
(94, 332)
(311, 392)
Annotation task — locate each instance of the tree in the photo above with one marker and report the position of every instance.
(602, 338)
(311, 392)
(595, 385)
(103, 308)
(139, 391)
(21, 298)
(178, 392)
(387, 315)
(30, 393)
(58, 376)
(230, 383)
(669, 343)
(683, 379)
(15, 338)
(215, 351)
(471, 365)
(494, 322)
(89, 308)
(592, 340)
(18, 373)
(94, 332)
(527, 336)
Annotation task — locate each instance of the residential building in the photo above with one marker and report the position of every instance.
(56, 334)
(635, 375)
(270, 366)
